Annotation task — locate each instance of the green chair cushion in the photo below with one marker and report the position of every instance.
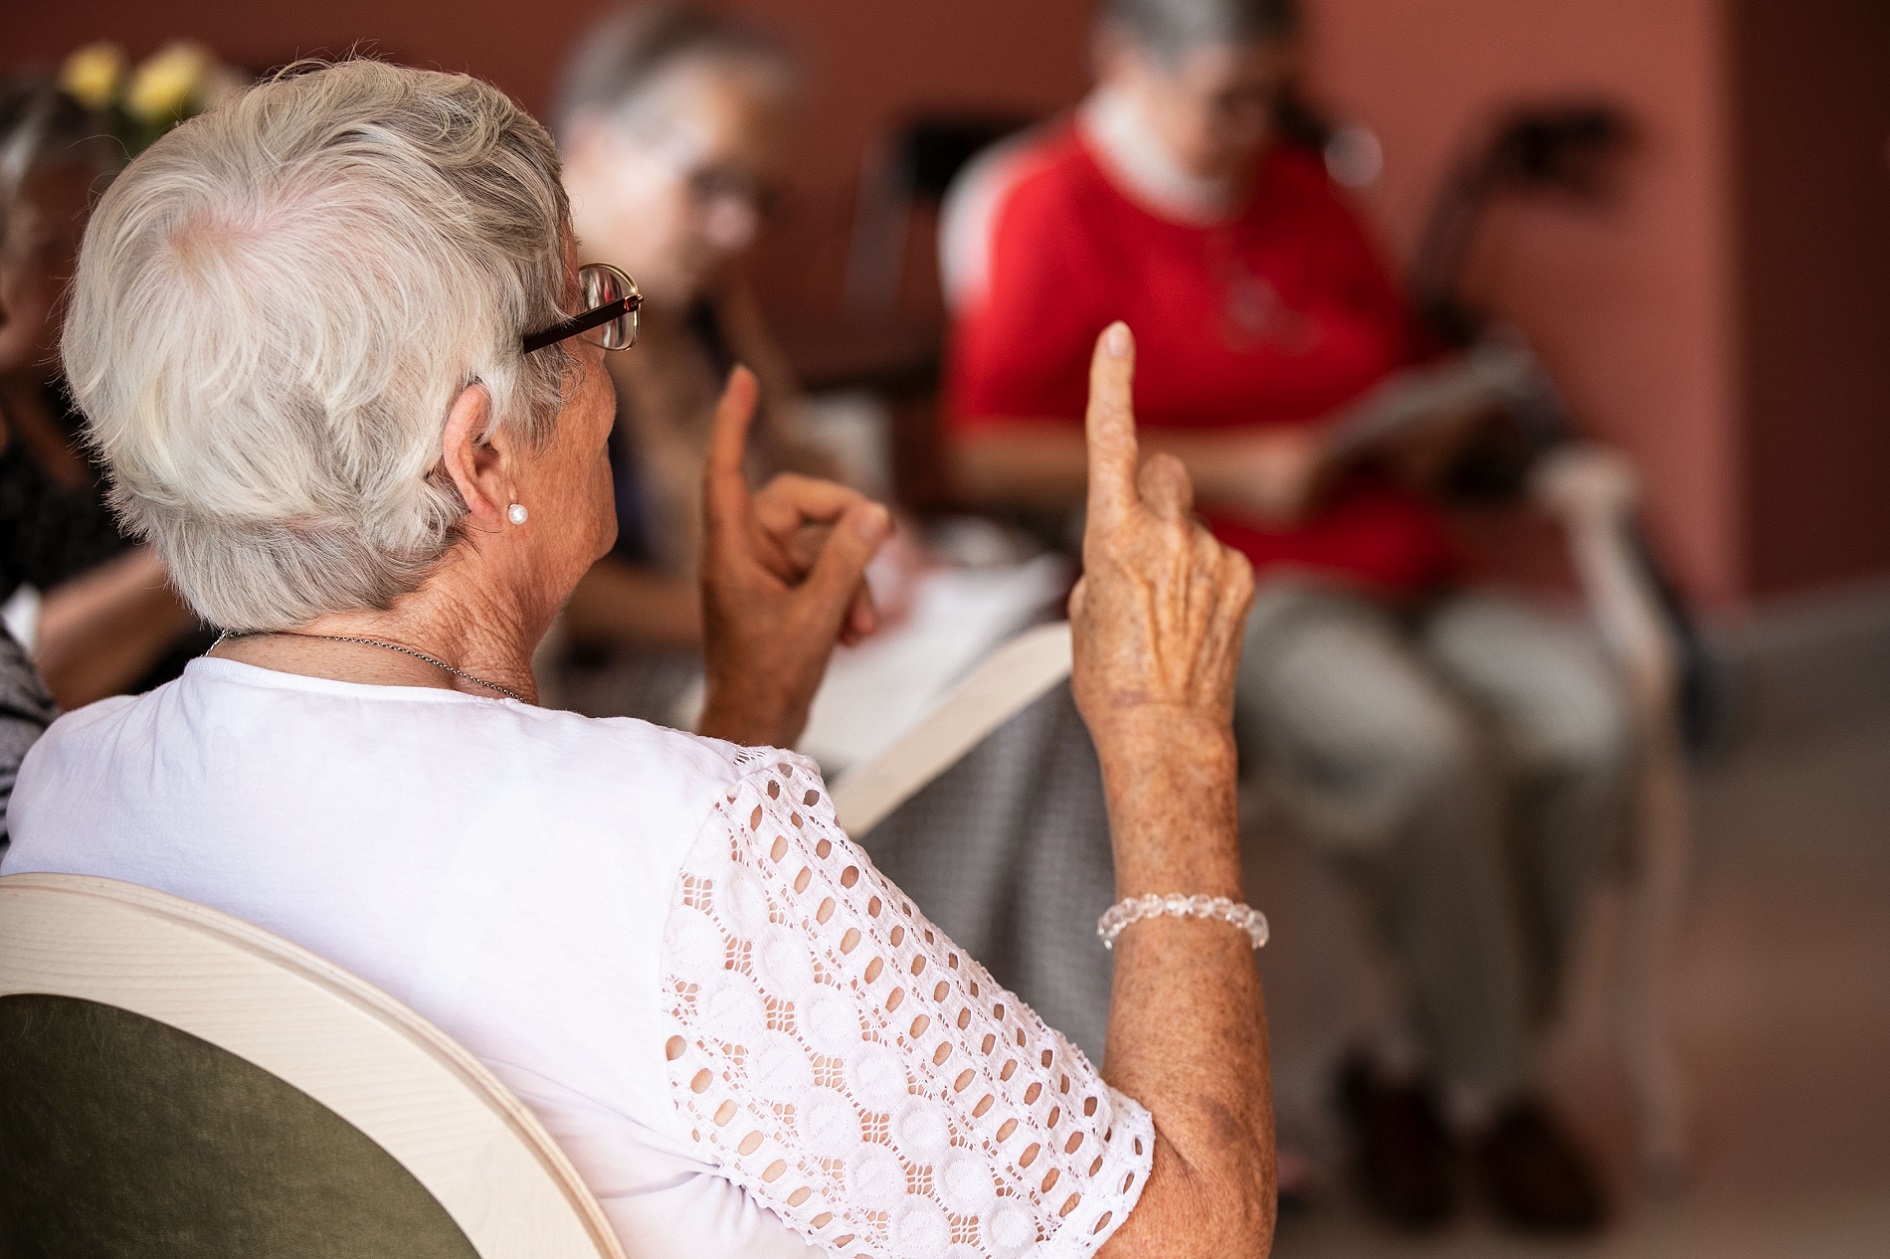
(123, 1137)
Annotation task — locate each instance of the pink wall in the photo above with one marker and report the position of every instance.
(1631, 306)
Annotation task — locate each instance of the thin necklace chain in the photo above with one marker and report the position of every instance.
(435, 661)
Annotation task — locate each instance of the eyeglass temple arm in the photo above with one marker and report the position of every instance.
(582, 323)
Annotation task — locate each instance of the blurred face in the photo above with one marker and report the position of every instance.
(676, 193)
(1211, 106)
(44, 226)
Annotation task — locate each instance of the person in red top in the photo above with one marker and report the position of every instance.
(1466, 755)
(1259, 327)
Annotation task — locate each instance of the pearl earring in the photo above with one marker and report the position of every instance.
(516, 513)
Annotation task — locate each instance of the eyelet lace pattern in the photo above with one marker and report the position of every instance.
(838, 1057)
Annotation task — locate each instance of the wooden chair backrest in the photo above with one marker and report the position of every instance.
(351, 1048)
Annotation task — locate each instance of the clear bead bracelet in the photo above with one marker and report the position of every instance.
(1125, 913)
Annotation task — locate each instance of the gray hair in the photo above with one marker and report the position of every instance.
(1169, 28)
(627, 52)
(276, 305)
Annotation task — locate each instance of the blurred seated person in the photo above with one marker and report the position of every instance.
(25, 707)
(107, 620)
(25, 712)
(742, 1033)
(1465, 756)
(673, 124)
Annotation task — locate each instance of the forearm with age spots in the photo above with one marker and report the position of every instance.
(1187, 1032)
(1156, 627)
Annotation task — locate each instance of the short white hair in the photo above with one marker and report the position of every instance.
(276, 306)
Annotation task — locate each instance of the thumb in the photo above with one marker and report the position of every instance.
(843, 559)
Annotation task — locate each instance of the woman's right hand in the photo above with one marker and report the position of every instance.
(1159, 615)
(783, 581)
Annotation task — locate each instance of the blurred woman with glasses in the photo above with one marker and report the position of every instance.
(673, 126)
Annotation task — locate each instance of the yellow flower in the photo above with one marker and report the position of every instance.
(168, 83)
(92, 74)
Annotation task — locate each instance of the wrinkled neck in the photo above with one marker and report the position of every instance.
(459, 615)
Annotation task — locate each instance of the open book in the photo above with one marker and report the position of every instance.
(1410, 400)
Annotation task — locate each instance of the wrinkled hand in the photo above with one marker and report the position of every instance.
(783, 580)
(1159, 615)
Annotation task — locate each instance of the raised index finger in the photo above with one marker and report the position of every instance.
(1110, 423)
(724, 483)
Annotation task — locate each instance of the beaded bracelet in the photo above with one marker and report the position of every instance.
(1136, 908)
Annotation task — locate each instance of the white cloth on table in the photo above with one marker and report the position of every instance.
(745, 1037)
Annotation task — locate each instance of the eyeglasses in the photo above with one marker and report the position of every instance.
(610, 299)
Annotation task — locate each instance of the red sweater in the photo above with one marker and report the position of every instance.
(1280, 316)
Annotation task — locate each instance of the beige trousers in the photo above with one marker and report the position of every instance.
(1469, 765)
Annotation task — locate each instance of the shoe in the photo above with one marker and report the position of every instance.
(1401, 1156)
(1537, 1177)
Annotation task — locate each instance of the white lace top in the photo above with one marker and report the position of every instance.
(858, 1073)
(748, 1041)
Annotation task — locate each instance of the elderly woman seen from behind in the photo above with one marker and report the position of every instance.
(324, 337)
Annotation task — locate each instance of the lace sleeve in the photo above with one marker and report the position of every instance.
(840, 1059)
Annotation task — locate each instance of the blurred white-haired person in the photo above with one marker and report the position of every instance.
(25, 707)
(333, 343)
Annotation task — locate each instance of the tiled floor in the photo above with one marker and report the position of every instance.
(1784, 1024)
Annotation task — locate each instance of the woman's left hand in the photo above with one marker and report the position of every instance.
(783, 581)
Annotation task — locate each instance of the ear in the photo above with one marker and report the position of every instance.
(477, 459)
